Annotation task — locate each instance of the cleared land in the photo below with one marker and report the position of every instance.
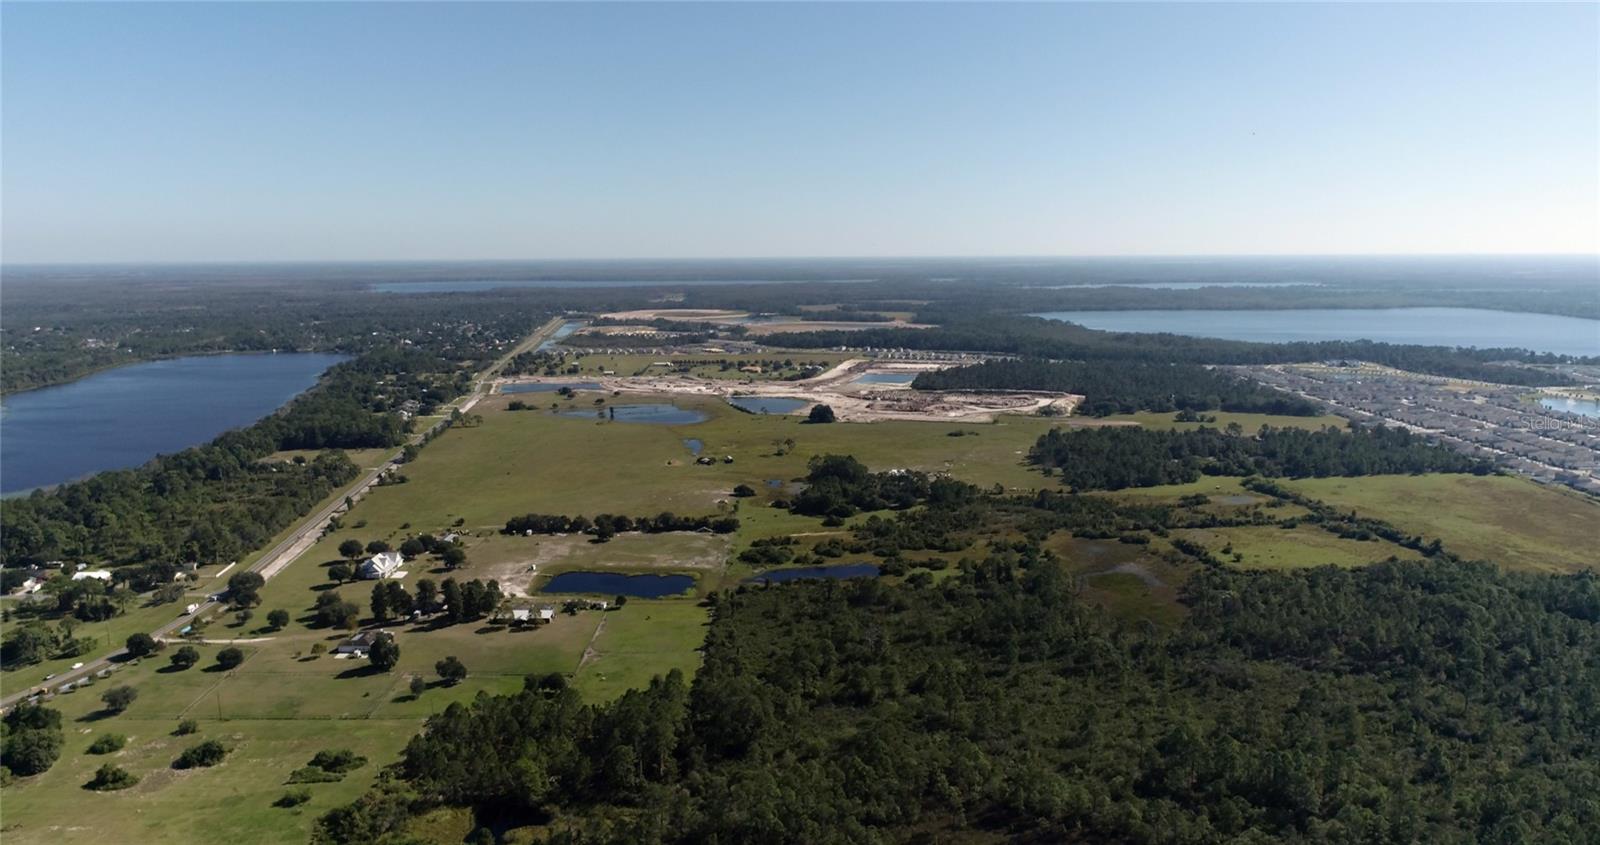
(1508, 520)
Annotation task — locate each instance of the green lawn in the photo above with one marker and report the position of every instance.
(639, 641)
(1508, 520)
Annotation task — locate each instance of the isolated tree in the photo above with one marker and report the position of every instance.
(454, 556)
(427, 594)
(451, 670)
(384, 654)
(117, 699)
(454, 603)
(417, 686)
(340, 572)
(185, 657)
(245, 589)
(230, 657)
(621, 600)
(377, 547)
(243, 617)
(142, 645)
(412, 547)
(350, 549)
(380, 602)
(744, 491)
(820, 414)
(278, 618)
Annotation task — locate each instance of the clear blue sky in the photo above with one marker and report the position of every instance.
(227, 131)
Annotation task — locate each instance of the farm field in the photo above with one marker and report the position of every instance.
(1510, 521)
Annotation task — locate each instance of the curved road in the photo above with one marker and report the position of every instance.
(287, 550)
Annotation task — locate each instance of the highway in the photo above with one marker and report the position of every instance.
(290, 548)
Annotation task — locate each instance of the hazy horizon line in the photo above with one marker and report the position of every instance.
(729, 258)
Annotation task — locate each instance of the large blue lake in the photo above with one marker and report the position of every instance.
(123, 417)
(1423, 326)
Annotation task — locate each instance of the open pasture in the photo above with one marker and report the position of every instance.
(1508, 520)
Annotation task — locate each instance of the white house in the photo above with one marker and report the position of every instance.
(97, 574)
(381, 565)
(547, 613)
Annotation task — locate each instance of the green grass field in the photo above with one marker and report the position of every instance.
(1301, 547)
(1510, 521)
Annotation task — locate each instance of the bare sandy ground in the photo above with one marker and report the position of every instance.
(855, 402)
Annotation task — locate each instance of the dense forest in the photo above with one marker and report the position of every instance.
(1123, 388)
(1405, 702)
(1111, 458)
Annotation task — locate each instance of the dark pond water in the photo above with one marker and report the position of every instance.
(548, 386)
(123, 417)
(654, 413)
(842, 570)
(767, 404)
(1478, 327)
(618, 584)
(887, 378)
(694, 445)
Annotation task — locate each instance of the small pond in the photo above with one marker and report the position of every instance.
(561, 334)
(548, 386)
(887, 378)
(842, 570)
(1582, 407)
(767, 404)
(656, 413)
(694, 445)
(618, 584)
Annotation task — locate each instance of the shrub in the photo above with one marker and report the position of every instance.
(204, 755)
(293, 798)
(341, 760)
(110, 777)
(107, 743)
(186, 727)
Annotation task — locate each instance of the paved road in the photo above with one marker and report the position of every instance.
(287, 550)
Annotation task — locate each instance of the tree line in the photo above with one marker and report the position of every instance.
(1114, 457)
(1124, 388)
(605, 526)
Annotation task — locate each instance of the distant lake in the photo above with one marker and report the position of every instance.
(1583, 407)
(547, 386)
(767, 404)
(124, 417)
(655, 413)
(618, 584)
(1184, 285)
(472, 286)
(1478, 327)
(842, 570)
